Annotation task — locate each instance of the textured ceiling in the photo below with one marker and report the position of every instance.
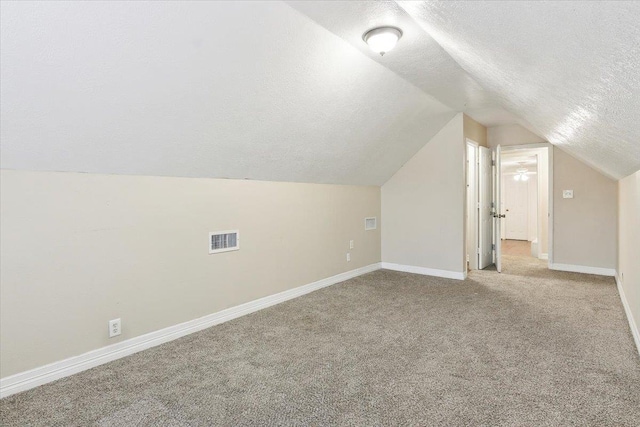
(262, 90)
(201, 89)
(418, 57)
(570, 69)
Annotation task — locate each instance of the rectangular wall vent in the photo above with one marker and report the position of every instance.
(224, 241)
(370, 223)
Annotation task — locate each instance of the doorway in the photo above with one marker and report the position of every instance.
(525, 197)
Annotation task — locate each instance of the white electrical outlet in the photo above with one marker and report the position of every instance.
(348, 257)
(115, 328)
(350, 244)
(567, 194)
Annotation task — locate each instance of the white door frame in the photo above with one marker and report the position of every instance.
(549, 148)
(473, 259)
(496, 197)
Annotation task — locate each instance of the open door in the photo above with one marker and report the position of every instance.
(485, 211)
(497, 209)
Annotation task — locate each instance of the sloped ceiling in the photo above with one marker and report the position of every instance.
(201, 89)
(289, 92)
(570, 69)
(418, 58)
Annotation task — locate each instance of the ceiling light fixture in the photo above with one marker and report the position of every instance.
(521, 175)
(382, 39)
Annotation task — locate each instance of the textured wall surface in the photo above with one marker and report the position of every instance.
(201, 89)
(80, 249)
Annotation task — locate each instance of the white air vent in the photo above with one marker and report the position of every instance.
(370, 223)
(224, 241)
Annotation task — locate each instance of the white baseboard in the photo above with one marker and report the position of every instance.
(543, 256)
(54, 371)
(459, 275)
(584, 269)
(627, 309)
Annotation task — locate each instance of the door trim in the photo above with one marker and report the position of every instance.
(476, 237)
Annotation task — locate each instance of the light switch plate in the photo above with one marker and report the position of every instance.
(567, 194)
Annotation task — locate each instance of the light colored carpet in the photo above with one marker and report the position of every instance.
(528, 347)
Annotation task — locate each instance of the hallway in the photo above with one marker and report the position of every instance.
(516, 248)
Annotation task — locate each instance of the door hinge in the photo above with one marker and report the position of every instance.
(493, 247)
(493, 162)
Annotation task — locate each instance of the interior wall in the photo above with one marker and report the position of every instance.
(511, 135)
(585, 227)
(628, 269)
(423, 205)
(80, 249)
(474, 130)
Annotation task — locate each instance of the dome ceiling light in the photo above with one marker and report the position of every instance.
(521, 175)
(382, 39)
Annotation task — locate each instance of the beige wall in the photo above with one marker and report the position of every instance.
(423, 205)
(511, 135)
(80, 249)
(474, 130)
(585, 230)
(629, 244)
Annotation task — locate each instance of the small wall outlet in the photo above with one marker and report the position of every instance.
(567, 194)
(115, 328)
(350, 244)
(348, 257)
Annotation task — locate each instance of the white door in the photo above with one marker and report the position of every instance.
(485, 218)
(472, 207)
(516, 208)
(497, 212)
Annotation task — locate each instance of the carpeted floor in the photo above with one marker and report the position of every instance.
(528, 347)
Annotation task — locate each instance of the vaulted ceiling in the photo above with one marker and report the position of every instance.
(289, 92)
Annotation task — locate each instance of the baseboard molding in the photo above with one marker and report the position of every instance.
(54, 371)
(627, 309)
(543, 256)
(459, 275)
(584, 269)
